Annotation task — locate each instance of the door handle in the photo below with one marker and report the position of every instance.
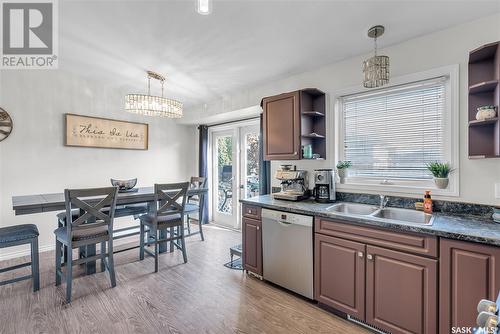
(242, 186)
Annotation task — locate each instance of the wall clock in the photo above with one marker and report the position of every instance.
(5, 124)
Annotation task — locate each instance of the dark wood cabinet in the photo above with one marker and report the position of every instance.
(252, 245)
(401, 291)
(369, 274)
(281, 127)
(340, 274)
(292, 120)
(468, 273)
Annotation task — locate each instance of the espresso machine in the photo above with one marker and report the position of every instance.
(294, 184)
(324, 185)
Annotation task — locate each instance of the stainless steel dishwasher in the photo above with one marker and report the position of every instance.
(287, 246)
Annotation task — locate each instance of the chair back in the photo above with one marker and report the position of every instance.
(170, 199)
(197, 182)
(91, 203)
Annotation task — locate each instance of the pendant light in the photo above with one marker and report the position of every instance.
(151, 105)
(376, 68)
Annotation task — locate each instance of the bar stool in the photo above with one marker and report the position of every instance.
(193, 204)
(20, 235)
(170, 201)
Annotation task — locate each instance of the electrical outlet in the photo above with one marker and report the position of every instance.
(497, 190)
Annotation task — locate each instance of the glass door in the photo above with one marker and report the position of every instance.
(224, 167)
(249, 155)
(234, 170)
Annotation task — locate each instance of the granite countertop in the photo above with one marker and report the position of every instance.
(467, 228)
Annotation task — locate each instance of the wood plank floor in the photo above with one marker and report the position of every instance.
(201, 296)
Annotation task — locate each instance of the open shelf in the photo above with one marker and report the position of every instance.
(484, 76)
(313, 113)
(488, 121)
(483, 87)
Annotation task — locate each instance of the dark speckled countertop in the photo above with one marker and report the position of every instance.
(467, 228)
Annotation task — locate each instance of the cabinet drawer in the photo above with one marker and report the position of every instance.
(404, 241)
(251, 211)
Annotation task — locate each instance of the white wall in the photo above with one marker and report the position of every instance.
(34, 160)
(447, 47)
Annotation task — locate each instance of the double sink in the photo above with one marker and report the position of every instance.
(393, 215)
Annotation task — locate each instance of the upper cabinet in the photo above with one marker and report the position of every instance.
(484, 90)
(292, 122)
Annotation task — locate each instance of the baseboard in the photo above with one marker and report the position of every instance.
(25, 252)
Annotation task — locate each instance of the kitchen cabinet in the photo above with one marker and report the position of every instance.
(401, 291)
(252, 239)
(340, 274)
(468, 273)
(292, 120)
(369, 274)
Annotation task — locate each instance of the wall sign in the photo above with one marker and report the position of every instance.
(5, 124)
(86, 131)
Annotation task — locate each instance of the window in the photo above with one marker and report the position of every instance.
(390, 134)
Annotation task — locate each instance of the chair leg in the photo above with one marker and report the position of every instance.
(58, 262)
(141, 243)
(103, 256)
(200, 227)
(171, 231)
(156, 250)
(189, 224)
(69, 273)
(35, 269)
(111, 263)
(183, 245)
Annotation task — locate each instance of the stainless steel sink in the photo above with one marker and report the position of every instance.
(353, 209)
(404, 216)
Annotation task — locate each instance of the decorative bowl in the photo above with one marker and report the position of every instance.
(486, 112)
(124, 185)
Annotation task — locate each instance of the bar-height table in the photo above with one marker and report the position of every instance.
(33, 204)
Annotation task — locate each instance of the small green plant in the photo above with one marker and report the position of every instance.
(344, 164)
(439, 169)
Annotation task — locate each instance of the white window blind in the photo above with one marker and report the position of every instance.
(395, 132)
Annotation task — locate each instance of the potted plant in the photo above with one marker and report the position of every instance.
(342, 167)
(440, 171)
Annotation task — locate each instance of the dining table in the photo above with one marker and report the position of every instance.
(41, 203)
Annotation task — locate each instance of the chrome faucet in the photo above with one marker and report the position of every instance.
(383, 201)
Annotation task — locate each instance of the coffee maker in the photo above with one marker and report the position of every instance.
(293, 184)
(324, 185)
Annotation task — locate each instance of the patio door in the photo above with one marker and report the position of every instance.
(234, 170)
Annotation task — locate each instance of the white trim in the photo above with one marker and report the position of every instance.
(452, 146)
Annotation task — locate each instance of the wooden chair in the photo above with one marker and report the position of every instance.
(193, 205)
(170, 201)
(90, 227)
(20, 235)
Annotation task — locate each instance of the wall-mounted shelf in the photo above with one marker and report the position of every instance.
(483, 87)
(489, 121)
(313, 113)
(484, 76)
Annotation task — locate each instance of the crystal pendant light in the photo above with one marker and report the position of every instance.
(204, 7)
(151, 105)
(376, 68)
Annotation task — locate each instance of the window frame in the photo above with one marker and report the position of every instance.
(450, 137)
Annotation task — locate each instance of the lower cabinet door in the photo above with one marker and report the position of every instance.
(252, 245)
(468, 273)
(340, 274)
(401, 291)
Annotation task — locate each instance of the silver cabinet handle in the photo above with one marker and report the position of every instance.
(360, 254)
(369, 257)
(294, 153)
(258, 228)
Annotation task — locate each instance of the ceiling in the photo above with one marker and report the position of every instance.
(241, 44)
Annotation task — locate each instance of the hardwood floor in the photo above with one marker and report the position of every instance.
(201, 296)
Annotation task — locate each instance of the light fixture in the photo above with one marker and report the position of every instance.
(151, 105)
(376, 68)
(204, 7)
